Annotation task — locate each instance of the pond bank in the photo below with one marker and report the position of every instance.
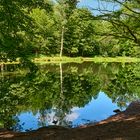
(45, 59)
(84, 59)
(122, 126)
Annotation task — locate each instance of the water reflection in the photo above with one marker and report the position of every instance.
(94, 111)
(65, 94)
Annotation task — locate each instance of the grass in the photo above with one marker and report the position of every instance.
(84, 59)
(44, 59)
(57, 59)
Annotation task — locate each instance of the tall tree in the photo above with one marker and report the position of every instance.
(16, 27)
(63, 10)
(13, 20)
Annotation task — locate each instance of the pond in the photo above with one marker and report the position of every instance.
(68, 94)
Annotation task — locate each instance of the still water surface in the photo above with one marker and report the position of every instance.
(65, 94)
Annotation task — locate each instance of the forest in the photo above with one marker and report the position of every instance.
(62, 28)
(32, 31)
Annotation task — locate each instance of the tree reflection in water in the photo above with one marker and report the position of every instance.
(53, 90)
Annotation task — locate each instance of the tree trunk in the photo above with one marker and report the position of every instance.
(62, 41)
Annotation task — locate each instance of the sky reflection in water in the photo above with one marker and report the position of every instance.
(96, 110)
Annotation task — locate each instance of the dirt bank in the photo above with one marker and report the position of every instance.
(122, 126)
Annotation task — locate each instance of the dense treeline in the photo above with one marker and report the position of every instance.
(48, 27)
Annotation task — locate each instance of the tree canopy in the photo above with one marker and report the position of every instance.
(47, 27)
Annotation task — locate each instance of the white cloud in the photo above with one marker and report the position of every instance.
(71, 117)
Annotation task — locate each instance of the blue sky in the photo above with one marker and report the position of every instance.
(90, 3)
(96, 4)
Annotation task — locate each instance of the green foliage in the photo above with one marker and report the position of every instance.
(79, 34)
(13, 20)
(123, 28)
(45, 27)
(46, 35)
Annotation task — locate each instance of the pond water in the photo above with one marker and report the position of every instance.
(68, 94)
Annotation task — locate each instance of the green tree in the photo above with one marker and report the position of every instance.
(124, 26)
(63, 10)
(80, 34)
(13, 20)
(45, 31)
(16, 26)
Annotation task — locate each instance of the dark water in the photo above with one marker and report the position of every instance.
(65, 94)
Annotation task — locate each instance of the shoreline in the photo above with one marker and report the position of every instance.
(122, 126)
(46, 59)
